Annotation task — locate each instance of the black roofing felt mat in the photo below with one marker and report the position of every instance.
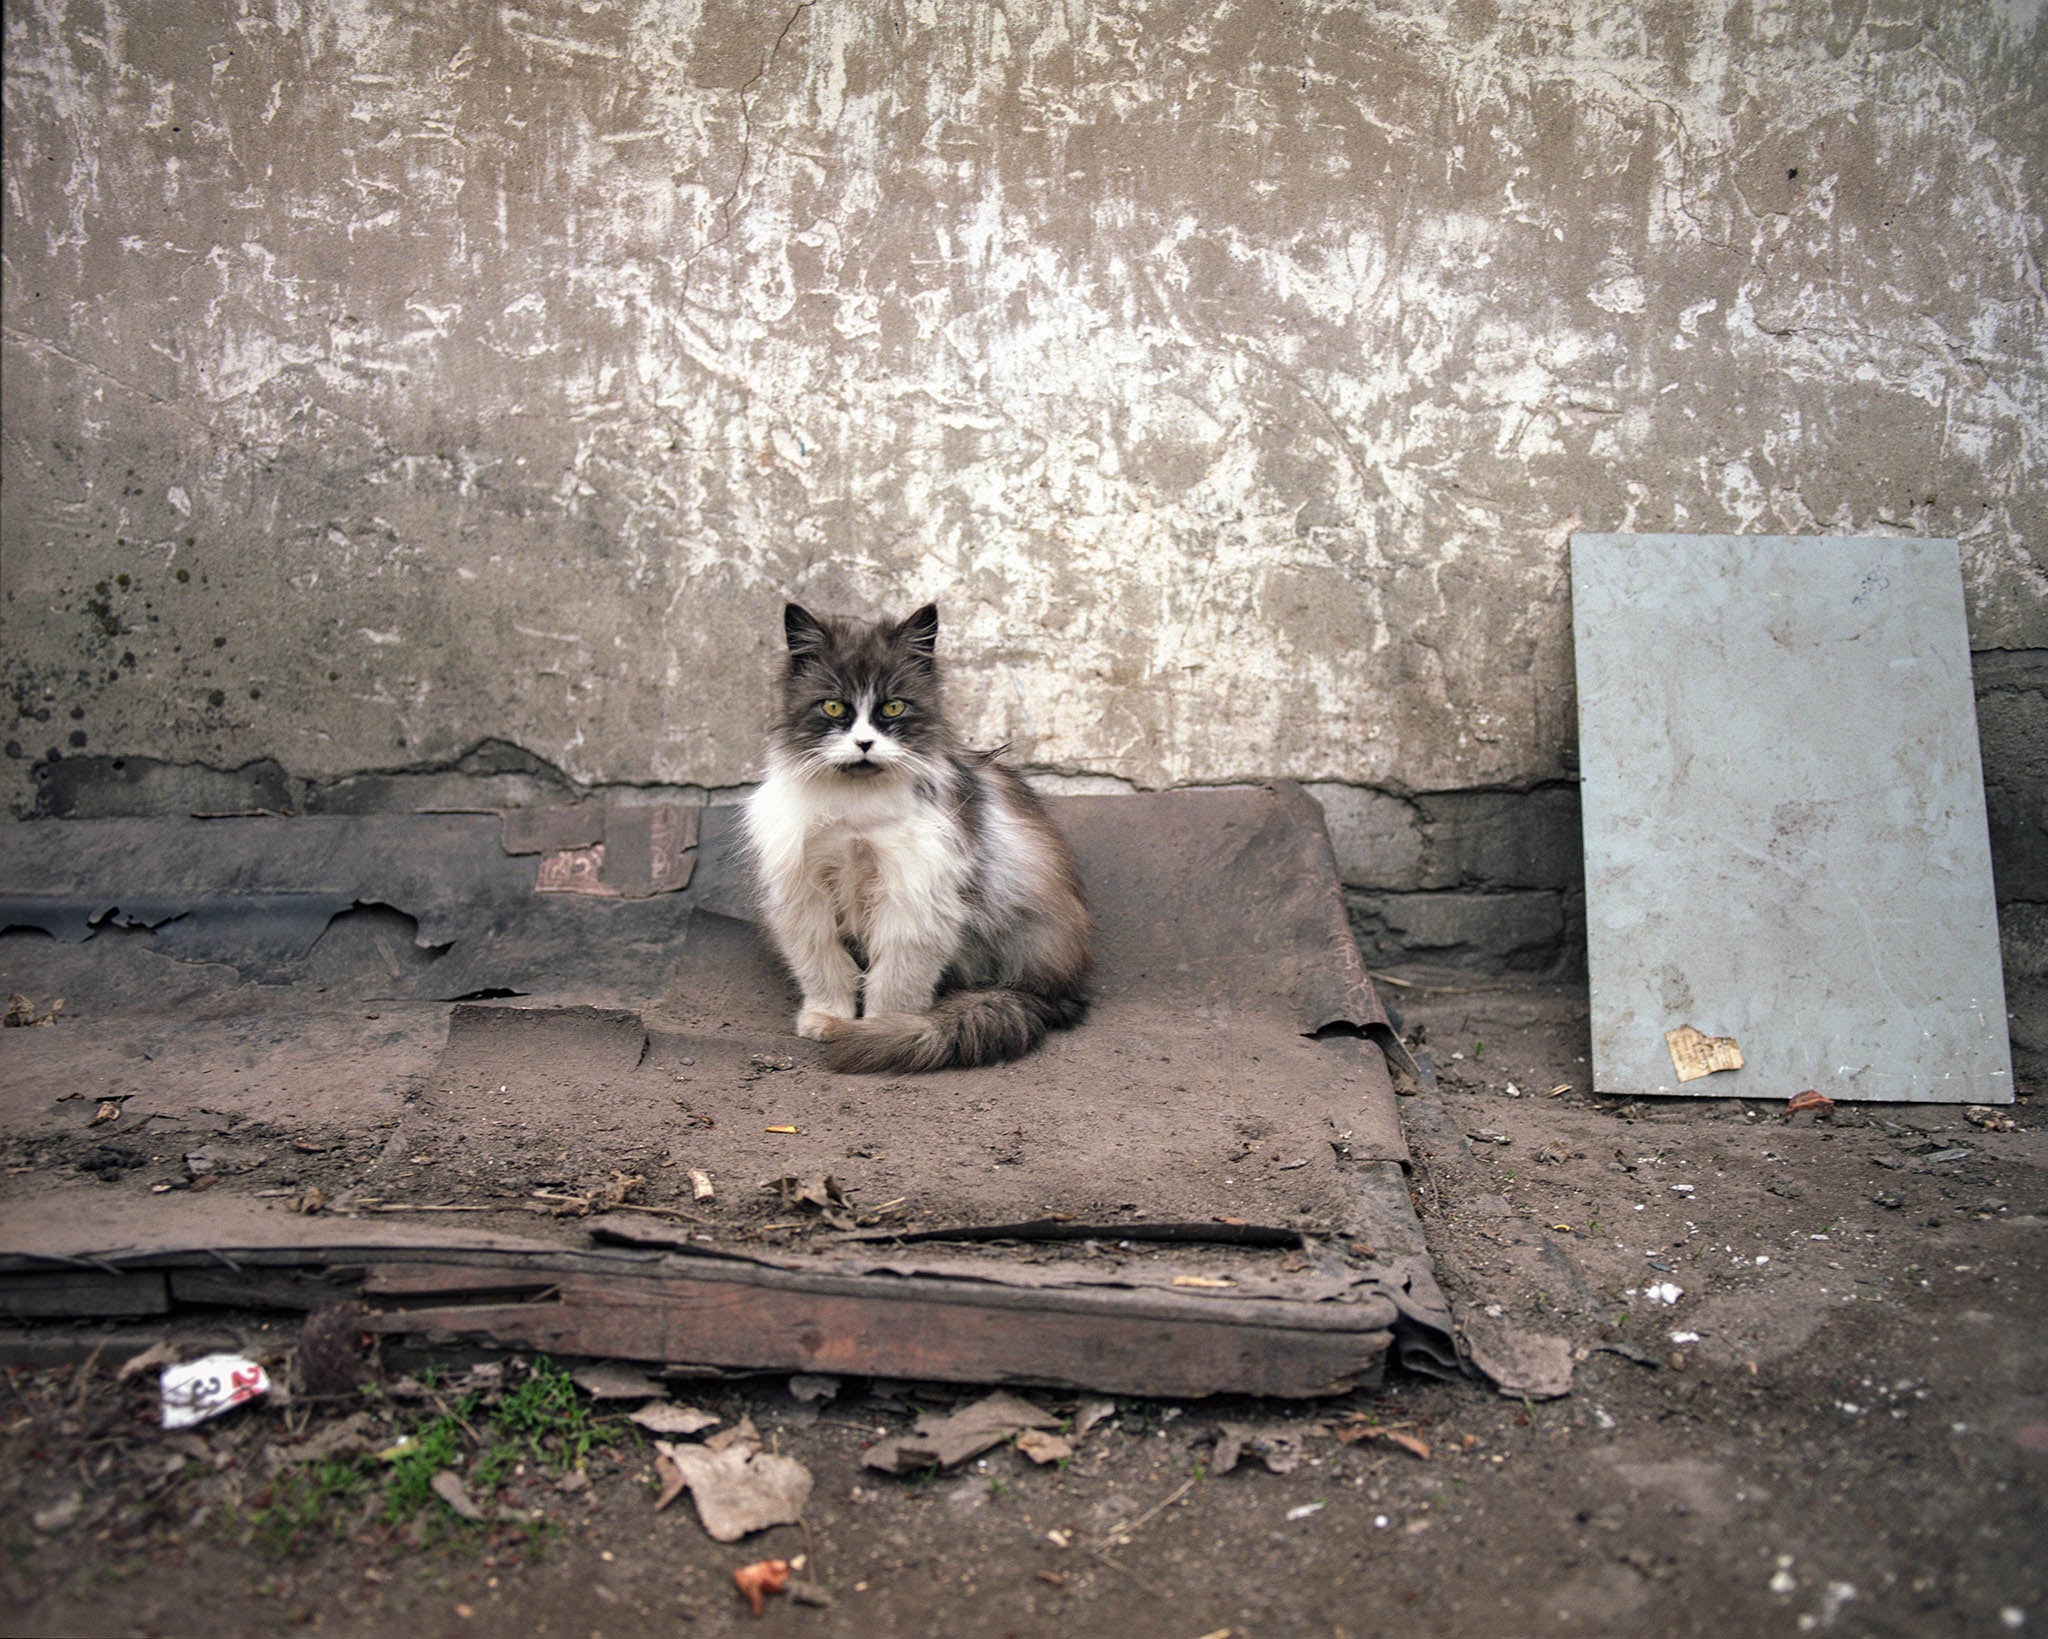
(417, 1058)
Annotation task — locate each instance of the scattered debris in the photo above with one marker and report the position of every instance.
(607, 1380)
(208, 1386)
(334, 1352)
(1631, 1353)
(666, 1417)
(157, 1354)
(62, 1514)
(818, 1189)
(110, 1110)
(1120, 1537)
(1983, 1115)
(1523, 1365)
(350, 1436)
(1304, 1510)
(604, 1198)
(1695, 1054)
(944, 1441)
(1812, 1099)
(21, 1012)
(1358, 1427)
(1089, 1413)
(448, 1486)
(1666, 1292)
(1043, 1448)
(817, 1192)
(811, 1389)
(1554, 1154)
(1959, 1152)
(738, 1488)
(700, 1185)
(1280, 1450)
(107, 1162)
(673, 1481)
(760, 1579)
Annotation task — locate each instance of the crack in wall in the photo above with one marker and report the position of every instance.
(739, 181)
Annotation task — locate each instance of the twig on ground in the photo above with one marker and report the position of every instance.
(1122, 1535)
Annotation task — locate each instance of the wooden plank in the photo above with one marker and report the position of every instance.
(43, 1346)
(738, 1315)
(70, 1291)
(1110, 1342)
(467, 1282)
(258, 1288)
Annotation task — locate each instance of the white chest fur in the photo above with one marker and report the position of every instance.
(870, 850)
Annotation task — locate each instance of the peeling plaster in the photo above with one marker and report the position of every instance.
(1232, 375)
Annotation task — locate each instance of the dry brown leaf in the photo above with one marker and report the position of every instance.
(1043, 1448)
(665, 1417)
(1358, 1429)
(673, 1483)
(449, 1488)
(941, 1442)
(737, 1487)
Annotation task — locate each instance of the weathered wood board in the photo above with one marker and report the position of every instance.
(433, 1129)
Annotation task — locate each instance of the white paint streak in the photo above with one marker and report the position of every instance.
(1226, 380)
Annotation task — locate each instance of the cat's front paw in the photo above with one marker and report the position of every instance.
(814, 1025)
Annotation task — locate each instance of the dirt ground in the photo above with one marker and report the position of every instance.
(1807, 1397)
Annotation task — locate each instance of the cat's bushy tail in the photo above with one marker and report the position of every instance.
(963, 1029)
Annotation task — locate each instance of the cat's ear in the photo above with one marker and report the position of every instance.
(921, 630)
(806, 636)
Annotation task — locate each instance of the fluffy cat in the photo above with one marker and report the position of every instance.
(917, 891)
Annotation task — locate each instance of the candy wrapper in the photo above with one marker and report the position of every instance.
(205, 1388)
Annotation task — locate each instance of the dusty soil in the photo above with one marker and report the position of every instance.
(1807, 1398)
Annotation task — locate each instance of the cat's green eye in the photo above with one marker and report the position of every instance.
(834, 709)
(895, 708)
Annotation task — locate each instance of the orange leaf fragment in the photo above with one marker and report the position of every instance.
(1811, 1099)
(758, 1580)
(1408, 1443)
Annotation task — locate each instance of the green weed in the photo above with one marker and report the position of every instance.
(305, 1507)
(547, 1417)
(541, 1420)
(433, 1446)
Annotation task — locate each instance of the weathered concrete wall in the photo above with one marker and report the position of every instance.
(387, 383)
